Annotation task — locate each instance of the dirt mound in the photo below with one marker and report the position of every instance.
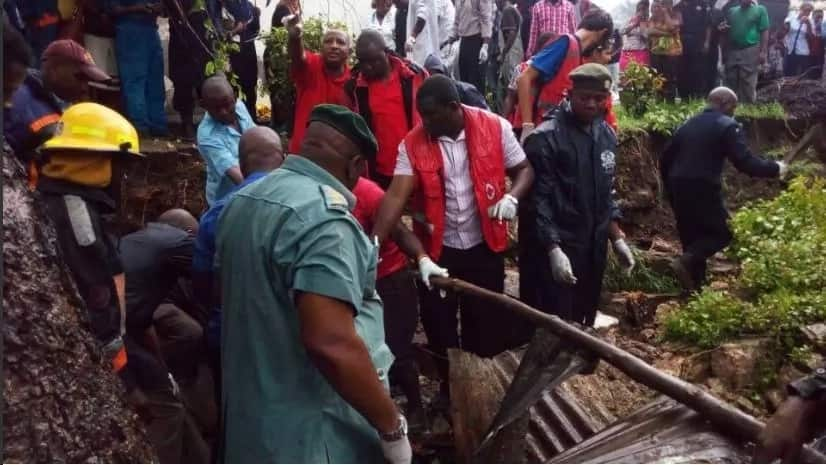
(802, 99)
(168, 177)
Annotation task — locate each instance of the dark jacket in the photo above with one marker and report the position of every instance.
(573, 190)
(153, 259)
(33, 116)
(468, 93)
(701, 145)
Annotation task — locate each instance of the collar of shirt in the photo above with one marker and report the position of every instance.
(301, 165)
(397, 66)
(244, 121)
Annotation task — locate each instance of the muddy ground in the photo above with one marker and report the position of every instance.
(172, 175)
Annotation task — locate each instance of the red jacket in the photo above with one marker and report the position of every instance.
(551, 93)
(483, 136)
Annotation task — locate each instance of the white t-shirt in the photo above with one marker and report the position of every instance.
(796, 41)
(386, 27)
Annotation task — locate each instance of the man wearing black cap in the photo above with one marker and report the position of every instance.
(573, 156)
(304, 359)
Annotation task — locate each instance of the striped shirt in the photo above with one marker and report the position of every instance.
(463, 227)
(558, 18)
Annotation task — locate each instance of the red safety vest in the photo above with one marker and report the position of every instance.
(554, 91)
(483, 138)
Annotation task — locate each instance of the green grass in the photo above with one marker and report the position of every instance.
(664, 117)
(642, 278)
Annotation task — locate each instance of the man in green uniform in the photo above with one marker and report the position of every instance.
(748, 32)
(305, 363)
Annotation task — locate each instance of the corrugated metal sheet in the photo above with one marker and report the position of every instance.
(661, 432)
(562, 431)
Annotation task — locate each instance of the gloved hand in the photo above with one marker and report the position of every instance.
(427, 269)
(527, 130)
(561, 267)
(175, 389)
(483, 53)
(624, 255)
(398, 451)
(782, 169)
(504, 209)
(408, 45)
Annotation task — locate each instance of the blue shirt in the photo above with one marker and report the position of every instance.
(548, 60)
(33, 110)
(203, 255)
(218, 145)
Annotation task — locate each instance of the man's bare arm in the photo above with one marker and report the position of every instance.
(329, 335)
(524, 91)
(521, 179)
(392, 205)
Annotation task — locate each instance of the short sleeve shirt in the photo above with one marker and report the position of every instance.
(368, 199)
(218, 145)
(548, 60)
(313, 87)
(293, 232)
(747, 24)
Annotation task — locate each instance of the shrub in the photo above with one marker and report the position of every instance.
(641, 86)
(781, 244)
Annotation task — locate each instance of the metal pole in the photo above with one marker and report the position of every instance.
(722, 415)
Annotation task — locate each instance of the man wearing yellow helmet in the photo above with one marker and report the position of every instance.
(79, 181)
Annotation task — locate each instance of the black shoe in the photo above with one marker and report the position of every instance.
(682, 273)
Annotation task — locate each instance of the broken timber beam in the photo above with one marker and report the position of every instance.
(722, 415)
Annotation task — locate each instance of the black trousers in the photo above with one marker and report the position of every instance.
(795, 65)
(576, 303)
(485, 329)
(401, 312)
(701, 223)
(668, 66)
(187, 62)
(470, 70)
(692, 80)
(245, 66)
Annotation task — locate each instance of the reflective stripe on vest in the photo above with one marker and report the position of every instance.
(483, 138)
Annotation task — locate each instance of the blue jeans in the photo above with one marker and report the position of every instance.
(140, 63)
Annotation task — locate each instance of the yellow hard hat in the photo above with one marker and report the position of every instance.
(92, 127)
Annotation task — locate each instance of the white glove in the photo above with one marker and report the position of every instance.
(483, 53)
(175, 389)
(624, 255)
(782, 169)
(398, 451)
(527, 130)
(561, 267)
(427, 269)
(504, 209)
(408, 45)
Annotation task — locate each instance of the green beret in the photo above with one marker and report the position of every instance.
(591, 76)
(348, 123)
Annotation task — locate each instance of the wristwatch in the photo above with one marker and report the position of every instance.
(399, 433)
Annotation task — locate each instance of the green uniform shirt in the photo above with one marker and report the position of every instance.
(746, 25)
(292, 231)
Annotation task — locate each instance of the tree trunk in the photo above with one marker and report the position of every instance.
(61, 402)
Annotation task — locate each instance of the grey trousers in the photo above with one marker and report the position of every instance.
(741, 72)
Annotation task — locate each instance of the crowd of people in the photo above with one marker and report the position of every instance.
(687, 43)
(300, 286)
